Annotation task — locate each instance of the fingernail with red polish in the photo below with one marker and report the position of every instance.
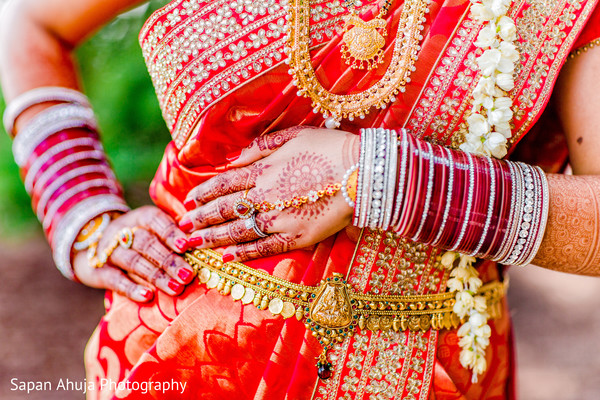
(227, 257)
(174, 285)
(145, 293)
(231, 157)
(189, 204)
(186, 224)
(184, 275)
(195, 241)
(181, 244)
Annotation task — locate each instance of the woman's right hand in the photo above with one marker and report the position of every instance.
(153, 261)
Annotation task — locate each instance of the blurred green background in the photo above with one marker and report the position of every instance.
(134, 133)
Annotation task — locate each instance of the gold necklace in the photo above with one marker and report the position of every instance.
(363, 44)
(333, 106)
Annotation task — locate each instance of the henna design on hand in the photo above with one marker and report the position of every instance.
(235, 180)
(227, 234)
(277, 139)
(571, 242)
(304, 173)
(269, 246)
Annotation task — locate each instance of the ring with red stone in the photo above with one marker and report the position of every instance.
(125, 237)
(243, 207)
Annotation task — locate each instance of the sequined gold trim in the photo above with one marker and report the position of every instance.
(584, 48)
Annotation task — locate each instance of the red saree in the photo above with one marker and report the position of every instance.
(219, 74)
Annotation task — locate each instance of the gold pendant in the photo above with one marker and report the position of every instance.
(363, 44)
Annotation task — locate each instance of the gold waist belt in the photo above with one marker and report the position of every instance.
(333, 308)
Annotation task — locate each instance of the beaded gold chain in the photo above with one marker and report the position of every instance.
(333, 106)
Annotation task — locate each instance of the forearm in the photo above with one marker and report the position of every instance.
(572, 239)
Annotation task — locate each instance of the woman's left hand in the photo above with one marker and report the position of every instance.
(274, 167)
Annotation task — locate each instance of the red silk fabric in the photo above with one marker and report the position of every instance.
(222, 349)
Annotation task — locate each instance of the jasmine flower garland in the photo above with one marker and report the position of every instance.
(489, 131)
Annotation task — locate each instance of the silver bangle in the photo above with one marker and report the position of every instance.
(391, 172)
(35, 167)
(66, 177)
(70, 225)
(402, 181)
(515, 211)
(72, 191)
(377, 192)
(544, 193)
(37, 96)
(47, 123)
(490, 210)
(367, 177)
(63, 162)
(448, 197)
(428, 195)
(359, 186)
(463, 229)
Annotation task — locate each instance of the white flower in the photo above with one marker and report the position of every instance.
(467, 261)
(487, 36)
(467, 341)
(510, 55)
(478, 124)
(505, 81)
(455, 285)
(313, 196)
(495, 145)
(473, 283)
(498, 7)
(479, 367)
(486, 86)
(507, 29)
(484, 331)
(467, 358)
(472, 144)
(448, 259)
(464, 303)
(504, 129)
(279, 205)
(477, 320)
(480, 303)
(488, 62)
(481, 13)
(464, 330)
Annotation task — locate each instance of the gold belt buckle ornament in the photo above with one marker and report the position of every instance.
(330, 318)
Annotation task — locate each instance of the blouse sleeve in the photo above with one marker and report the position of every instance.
(591, 32)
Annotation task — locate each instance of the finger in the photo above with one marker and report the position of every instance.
(238, 231)
(163, 226)
(218, 211)
(234, 180)
(114, 279)
(274, 244)
(157, 256)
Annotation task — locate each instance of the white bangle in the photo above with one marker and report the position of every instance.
(47, 123)
(37, 96)
(39, 162)
(70, 225)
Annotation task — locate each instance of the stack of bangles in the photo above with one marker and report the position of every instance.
(65, 170)
(457, 201)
